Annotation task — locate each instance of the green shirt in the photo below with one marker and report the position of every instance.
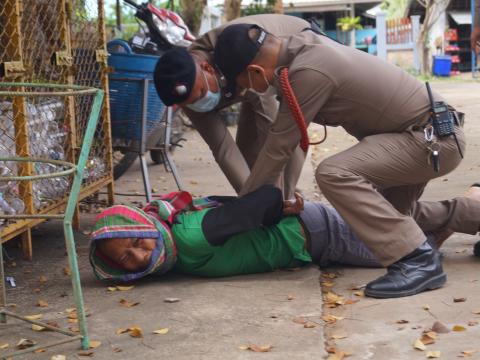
(260, 250)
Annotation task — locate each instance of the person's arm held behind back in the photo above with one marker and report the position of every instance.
(263, 207)
(312, 90)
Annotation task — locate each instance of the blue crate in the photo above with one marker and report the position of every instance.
(442, 65)
(126, 96)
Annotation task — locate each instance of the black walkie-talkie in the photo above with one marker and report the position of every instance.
(442, 119)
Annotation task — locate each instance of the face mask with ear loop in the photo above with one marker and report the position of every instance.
(209, 101)
(271, 90)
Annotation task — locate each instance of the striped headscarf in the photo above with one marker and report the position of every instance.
(154, 221)
(122, 221)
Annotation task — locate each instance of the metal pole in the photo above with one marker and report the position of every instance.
(474, 54)
(143, 139)
(3, 293)
(67, 224)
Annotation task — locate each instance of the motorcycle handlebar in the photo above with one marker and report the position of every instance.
(132, 3)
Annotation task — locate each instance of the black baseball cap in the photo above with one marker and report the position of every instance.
(235, 50)
(174, 76)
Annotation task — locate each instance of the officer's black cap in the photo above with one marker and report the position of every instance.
(174, 76)
(235, 50)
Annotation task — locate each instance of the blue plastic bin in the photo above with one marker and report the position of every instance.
(126, 96)
(442, 65)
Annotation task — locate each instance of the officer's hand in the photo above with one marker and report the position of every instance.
(475, 39)
(291, 207)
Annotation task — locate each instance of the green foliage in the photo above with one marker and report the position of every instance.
(259, 7)
(349, 23)
(395, 8)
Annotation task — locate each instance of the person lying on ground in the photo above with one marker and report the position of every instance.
(224, 236)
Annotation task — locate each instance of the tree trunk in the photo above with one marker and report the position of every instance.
(192, 11)
(278, 8)
(232, 9)
(433, 10)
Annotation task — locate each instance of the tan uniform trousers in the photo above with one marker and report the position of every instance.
(375, 186)
(236, 158)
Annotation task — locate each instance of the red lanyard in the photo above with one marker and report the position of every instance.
(296, 111)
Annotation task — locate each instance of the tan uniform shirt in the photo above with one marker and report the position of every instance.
(212, 128)
(338, 86)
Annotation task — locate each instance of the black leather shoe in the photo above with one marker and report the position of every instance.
(476, 249)
(418, 271)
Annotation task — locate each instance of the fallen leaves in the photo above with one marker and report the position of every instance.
(161, 331)
(459, 328)
(309, 325)
(4, 345)
(290, 297)
(476, 312)
(134, 331)
(128, 304)
(338, 355)
(42, 303)
(467, 353)
(433, 354)
(402, 321)
(43, 279)
(34, 317)
(333, 300)
(257, 348)
(426, 307)
(460, 299)
(300, 320)
(120, 288)
(331, 319)
(85, 353)
(171, 300)
(95, 344)
(38, 327)
(66, 271)
(419, 345)
(58, 357)
(25, 343)
(428, 337)
(338, 337)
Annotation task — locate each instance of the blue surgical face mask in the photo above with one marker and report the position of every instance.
(209, 101)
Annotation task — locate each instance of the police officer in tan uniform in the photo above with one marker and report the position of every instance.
(374, 185)
(190, 80)
(475, 35)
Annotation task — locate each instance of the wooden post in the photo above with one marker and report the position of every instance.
(14, 53)
(102, 48)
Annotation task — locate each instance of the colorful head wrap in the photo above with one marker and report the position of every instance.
(154, 221)
(122, 221)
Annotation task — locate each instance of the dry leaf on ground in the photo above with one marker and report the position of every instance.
(42, 303)
(290, 297)
(171, 300)
(111, 288)
(95, 344)
(327, 283)
(43, 279)
(338, 337)
(426, 307)
(476, 312)
(58, 357)
(136, 332)
(34, 317)
(440, 328)
(459, 299)
(161, 331)
(4, 345)
(122, 331)
(37, 327)
(333, 300)
(66, 271)
(433, 354)
(429, 338)
(117, 350)
(25, 343)
(467, 353)
(300, 320)
(309, 325)
(419, 345)
(331, 319)
(128, 303)
(459, 328)
(402, 321)
(85, 353)
(329, 275)
(351, 301)
(40, 351)
(259, 348)
(125, 288)
(338, 355)
(472, 323)
(359, 293)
